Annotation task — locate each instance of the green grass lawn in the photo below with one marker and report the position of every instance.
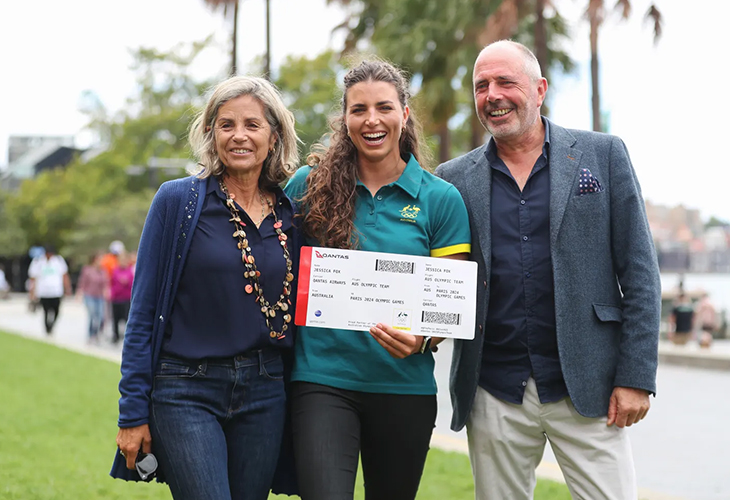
(58, 412)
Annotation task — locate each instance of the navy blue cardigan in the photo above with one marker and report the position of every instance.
(161, 255)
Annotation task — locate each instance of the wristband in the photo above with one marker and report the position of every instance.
(425, 345)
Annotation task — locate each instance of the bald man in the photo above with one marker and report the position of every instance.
(569, 298)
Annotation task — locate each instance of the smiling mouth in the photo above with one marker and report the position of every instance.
(240, 151)
(374, 138)
(498, 113)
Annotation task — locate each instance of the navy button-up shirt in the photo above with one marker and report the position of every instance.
(519, 335)
(212, 315)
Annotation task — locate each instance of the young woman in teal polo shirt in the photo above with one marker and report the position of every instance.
(370, 394)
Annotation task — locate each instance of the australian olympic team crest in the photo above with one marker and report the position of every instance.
(409, 213)
(402, 319)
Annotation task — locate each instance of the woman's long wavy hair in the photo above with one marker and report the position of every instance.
(331, 187)
(280, 164)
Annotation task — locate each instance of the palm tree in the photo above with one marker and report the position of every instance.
(228, 5)
(437, 42)
(527, 22)
(431, 39)
(596, 13)
(501, 24)
(541, 34)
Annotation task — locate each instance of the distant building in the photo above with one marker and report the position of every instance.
(30, 155)
(717, 238)
(674, 227)
(19, 145)
(683, 243)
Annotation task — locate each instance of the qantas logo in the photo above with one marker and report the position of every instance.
(330, 255)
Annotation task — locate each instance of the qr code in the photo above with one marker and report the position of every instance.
(441, 318)
(394, 266)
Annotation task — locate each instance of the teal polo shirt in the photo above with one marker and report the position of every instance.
(419, 214)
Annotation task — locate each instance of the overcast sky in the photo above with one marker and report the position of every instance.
(667, 101)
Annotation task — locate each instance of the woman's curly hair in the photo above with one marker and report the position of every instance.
(331, 187)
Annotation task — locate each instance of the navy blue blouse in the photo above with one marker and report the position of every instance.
(212, 315)
(519, 335)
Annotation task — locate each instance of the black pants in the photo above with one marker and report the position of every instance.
(120, 312)
(51, 306)
(332, 427)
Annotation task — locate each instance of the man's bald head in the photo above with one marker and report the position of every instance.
(531, 65)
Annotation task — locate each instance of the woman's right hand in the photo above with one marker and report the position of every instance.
(399, 344)
(131, 439)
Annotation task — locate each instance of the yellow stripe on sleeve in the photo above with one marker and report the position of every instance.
(452, 250)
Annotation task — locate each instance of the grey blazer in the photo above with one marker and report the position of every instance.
(606, 276)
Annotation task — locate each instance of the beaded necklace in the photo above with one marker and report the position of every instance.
(253, 274)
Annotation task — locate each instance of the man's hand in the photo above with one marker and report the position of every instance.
(399, 344)
(131, 439)
(627, 406)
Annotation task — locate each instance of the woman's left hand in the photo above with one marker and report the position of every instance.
(399, 344)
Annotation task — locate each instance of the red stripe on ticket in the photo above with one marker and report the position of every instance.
(305, 268)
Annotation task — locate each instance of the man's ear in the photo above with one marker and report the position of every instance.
(542, 87)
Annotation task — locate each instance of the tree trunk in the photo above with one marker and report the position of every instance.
(267, 70)
(541, 48)
(234, 45)
(596, 96)
(444, 142)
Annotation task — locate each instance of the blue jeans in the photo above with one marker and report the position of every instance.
(95, 308)
(217, 425)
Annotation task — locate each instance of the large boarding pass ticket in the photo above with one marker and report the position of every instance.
(354, 290)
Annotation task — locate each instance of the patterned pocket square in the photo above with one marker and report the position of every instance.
(588, 184)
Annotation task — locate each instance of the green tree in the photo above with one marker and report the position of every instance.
(545, 32)
(437, 43)
(716, 222)
(157, 118)
(12, 237)
(46, 207)
(431, 40)
(87, 202)
(120, 219)
(309, 88)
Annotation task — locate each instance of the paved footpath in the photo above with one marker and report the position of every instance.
(681, 451)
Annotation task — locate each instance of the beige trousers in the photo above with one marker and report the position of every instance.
(506, 443)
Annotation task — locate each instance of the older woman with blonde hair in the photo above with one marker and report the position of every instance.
(210, 321)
